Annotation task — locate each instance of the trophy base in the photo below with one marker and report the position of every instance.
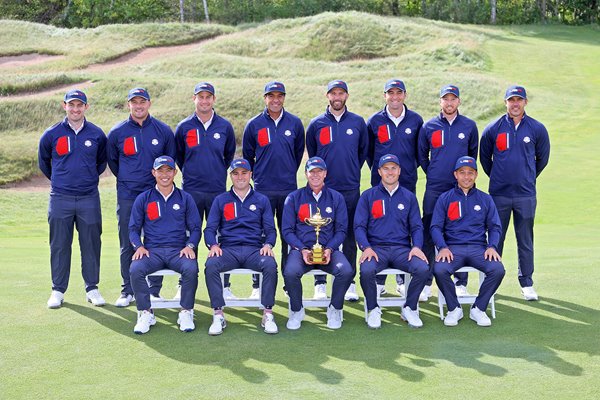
(316, 257)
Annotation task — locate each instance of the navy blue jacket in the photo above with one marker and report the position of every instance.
(204, 155)
(132, 150)
(232, 222)
(384, 220)
(460, 219)
(73, 162)
(441, 144)
(301, 204)
(402, 140)
(514, 158)
(274, 152)
(164, 223)
(343, 145)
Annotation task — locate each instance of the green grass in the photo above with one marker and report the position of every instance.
(546, 349)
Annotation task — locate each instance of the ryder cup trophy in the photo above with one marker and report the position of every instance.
(317, 222)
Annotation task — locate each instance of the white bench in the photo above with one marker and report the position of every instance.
(165, 303)
(391, 301)
(244, 302)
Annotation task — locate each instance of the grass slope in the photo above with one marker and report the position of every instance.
(550, 348)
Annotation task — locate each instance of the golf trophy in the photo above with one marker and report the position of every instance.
(317, 222)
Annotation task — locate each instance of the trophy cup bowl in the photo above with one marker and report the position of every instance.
(317, 222)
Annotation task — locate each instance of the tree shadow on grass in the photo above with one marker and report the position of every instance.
(535, 332)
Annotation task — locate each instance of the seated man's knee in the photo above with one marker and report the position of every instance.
(441, 269)
(368, 270)
(189, 268)
(137, 269)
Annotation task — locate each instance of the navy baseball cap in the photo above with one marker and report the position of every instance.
(163, 160)
(75, 95)
(239, 163)
(449, 89)
(138, 92)
(515, 91)
(274, 87)
(394, 83)
(204, 87)
(315, 162)
(388, 158)
(466, 161)
(337, 84)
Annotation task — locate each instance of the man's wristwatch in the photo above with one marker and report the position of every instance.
(191, 246)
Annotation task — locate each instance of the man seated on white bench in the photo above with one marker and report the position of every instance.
(165, 214)
(389, 231)
(461, 219)
(240, 233)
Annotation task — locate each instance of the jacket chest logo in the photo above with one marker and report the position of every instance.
(461, 135)
(328, 210)
(437, 139)
(176, 207)
(526, 139)
(154, 142)
(263, 137)
(63, 145)
(400, 206)
(383, 134)
(408, 131)
(288, 133)
(217, 136)
(87, 143)
(477, 207)
(230, 211)
(325, 135)
(349, 131)
(252, 207)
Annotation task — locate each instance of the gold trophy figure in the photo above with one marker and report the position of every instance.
(317, 222)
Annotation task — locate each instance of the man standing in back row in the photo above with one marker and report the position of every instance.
(72, 154)
(273, 143)
(443, 140)
(205, 144)
(514, 151)
(340, 138)
(394, 130)
(133, 145)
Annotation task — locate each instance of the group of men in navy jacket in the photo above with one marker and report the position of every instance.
(465, 225)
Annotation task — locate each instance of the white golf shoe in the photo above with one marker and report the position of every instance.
(351, 293)
(374, 318)
(453, 317)
(124, 300)
(412, 317)
(320, 292)
(56, 299)
(529, 293)
(334, 318)
(268, 323)
(218, 324)
(144, 321)
(480, 317)
(186, 320)
(295, 319)
(94, 297)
